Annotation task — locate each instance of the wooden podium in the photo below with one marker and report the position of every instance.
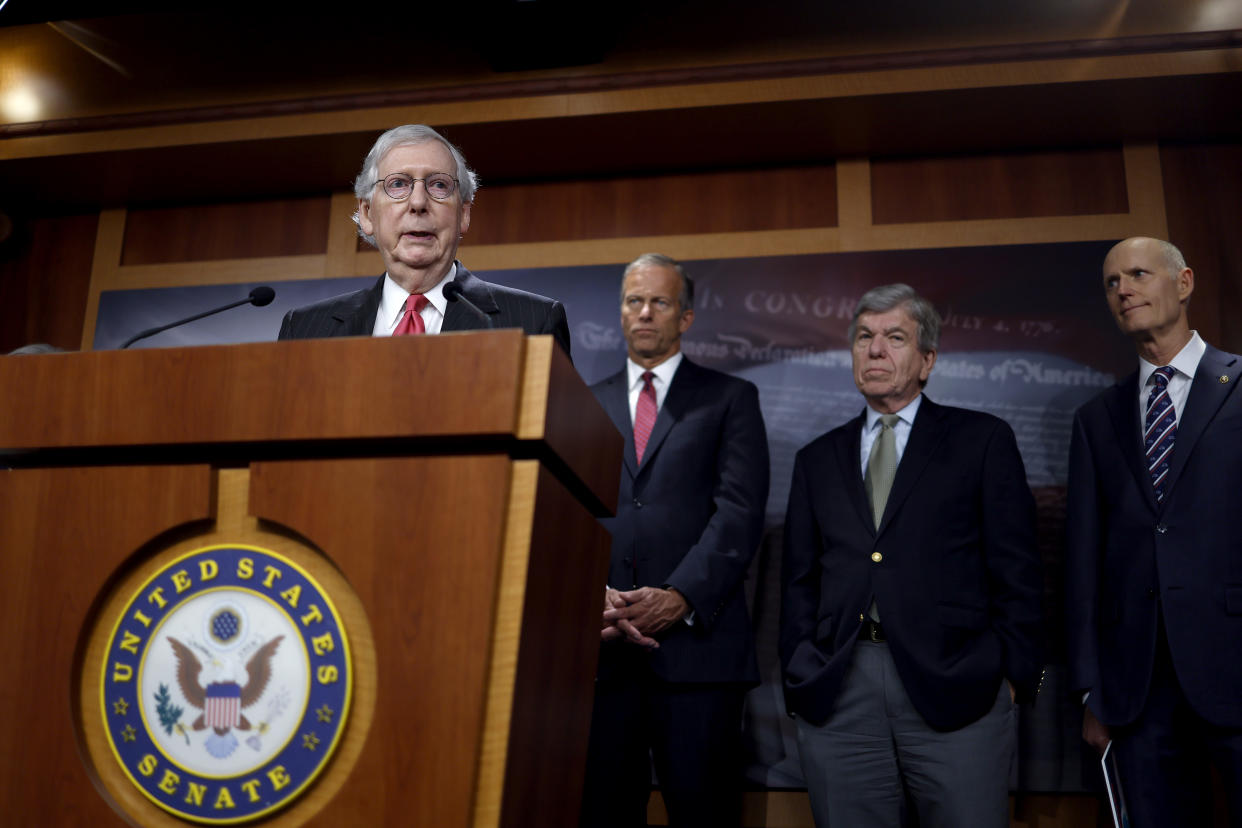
(443, 491)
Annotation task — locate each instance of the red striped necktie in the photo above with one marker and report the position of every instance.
(644, 415)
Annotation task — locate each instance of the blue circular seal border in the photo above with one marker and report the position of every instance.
(276, 782)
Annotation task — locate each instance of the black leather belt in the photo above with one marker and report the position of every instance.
(872, 631)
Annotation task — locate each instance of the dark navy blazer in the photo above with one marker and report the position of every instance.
(691, 516)
(353, 314)
(1129, 558)
(953, 567)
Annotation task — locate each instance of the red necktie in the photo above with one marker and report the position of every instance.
(644, 415)
(412, 322)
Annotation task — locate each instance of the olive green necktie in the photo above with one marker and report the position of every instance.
(882, 466)
(881, 469)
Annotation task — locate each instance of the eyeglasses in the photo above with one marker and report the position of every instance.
(438, 185)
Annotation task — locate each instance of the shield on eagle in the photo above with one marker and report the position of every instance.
(222, 702)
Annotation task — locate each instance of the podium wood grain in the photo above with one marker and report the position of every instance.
(450, 485)
(64, 534)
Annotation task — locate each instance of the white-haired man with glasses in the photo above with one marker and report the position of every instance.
(414, 198)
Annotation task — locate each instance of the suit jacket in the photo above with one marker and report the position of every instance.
(957, 580)
(691, 516)
(353, 314)
(1130, 559)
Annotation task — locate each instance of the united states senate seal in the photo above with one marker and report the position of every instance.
(226, 684)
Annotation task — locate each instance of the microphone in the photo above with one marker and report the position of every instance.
(453, 293)
(259, 297)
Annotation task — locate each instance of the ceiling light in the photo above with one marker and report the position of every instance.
(20, 104)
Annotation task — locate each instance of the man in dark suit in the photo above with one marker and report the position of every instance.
(414, 198)
(911, 592)
(1154, 552)
(678, 651)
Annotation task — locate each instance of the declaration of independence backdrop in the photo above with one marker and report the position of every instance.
(1026, 336)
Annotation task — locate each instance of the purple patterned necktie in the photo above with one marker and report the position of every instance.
(1159, 429)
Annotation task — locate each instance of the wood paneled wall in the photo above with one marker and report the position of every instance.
(999, 185)
(1203, 191)
(210, 232)
(1191, 194)
(45, 276)
(853, 204)
(728, 201)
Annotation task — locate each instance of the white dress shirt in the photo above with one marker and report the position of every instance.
(1184, 365)
(901, 431)
(663, 378)
(392, 306)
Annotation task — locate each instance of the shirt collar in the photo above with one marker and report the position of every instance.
(1185, 363)
(663, 372)
(906, 414)
(392, 303)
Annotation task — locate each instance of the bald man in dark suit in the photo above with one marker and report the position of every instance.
(1154, 551)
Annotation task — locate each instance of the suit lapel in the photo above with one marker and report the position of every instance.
(1207, 395)
(457, 317)
(848, 453)
(1122, 405)
(925, 435)
(680, 394)
(358, 319)
(614, 396)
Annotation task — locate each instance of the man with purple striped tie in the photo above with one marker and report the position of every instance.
(1154, 552)
(677, 654)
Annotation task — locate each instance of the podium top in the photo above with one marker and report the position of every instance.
(467, 392)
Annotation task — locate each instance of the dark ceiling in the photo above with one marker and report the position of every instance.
(1194, 109)
(123, 64)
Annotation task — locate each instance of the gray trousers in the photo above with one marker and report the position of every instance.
(875, 751)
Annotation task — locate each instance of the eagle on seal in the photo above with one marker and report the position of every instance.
(222, 702)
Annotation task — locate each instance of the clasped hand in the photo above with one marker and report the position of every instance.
(641, 613)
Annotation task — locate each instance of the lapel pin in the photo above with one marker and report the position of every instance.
(1224, 378)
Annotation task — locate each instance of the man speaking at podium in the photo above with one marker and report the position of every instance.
(414, 197)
